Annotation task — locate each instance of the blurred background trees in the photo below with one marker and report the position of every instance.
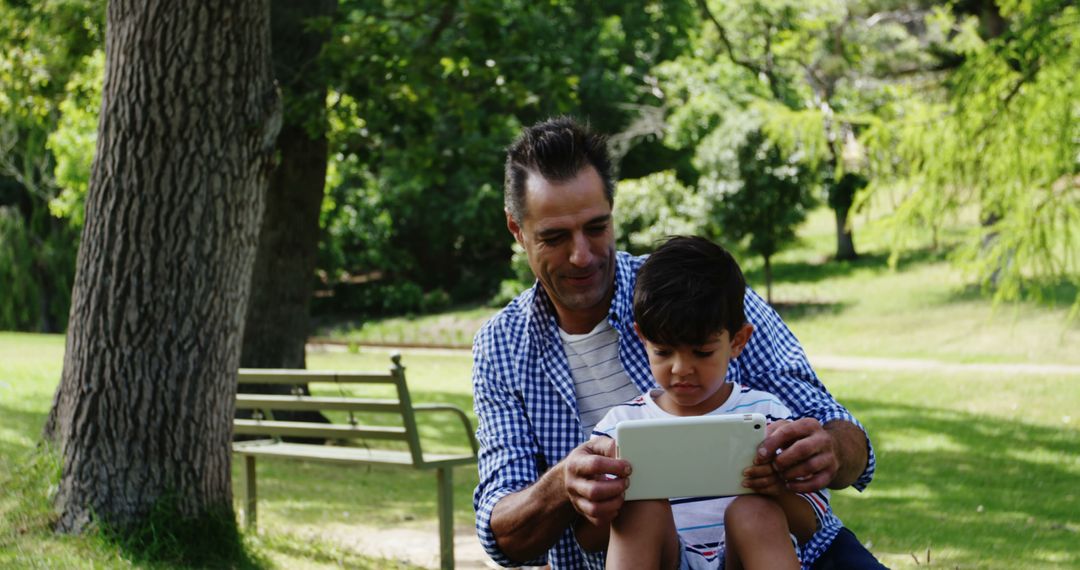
(728, 119)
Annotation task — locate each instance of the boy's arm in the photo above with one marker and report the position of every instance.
(592, 537)
(802, 522)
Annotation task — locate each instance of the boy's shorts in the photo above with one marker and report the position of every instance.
(685, 564)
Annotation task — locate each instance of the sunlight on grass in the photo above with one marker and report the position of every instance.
(971, 467)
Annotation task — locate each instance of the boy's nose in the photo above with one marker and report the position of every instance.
(681, 367)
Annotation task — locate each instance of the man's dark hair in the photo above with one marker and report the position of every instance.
(557, 149)
(687, 291)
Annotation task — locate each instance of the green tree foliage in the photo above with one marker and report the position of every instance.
(651, 208)
(429, 93)
(762, 193)
(46, 45)
(1001, 134)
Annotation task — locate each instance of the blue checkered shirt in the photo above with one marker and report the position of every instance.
(528, 417)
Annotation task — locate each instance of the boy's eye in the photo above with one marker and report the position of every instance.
(704, 353)
(661, 352)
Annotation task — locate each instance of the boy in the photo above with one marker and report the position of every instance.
(688, 311)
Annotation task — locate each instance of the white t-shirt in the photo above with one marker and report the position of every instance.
(700, 520)
(600, 381)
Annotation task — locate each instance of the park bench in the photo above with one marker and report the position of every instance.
(392, 419)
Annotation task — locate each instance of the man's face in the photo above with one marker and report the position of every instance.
(570, 243)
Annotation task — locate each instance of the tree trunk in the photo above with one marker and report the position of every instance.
(144, 408)
(283, 278)
(845, 242)
(768, 279)
(841, 197)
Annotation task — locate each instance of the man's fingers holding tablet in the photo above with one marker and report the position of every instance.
(806, 459)
(590, 485)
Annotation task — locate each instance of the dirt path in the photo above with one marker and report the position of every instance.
(417, 545)
(827, 362)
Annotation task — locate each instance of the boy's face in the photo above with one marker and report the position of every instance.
(692, 376)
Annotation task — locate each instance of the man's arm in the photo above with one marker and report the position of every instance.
(527, 523)
(520, 514)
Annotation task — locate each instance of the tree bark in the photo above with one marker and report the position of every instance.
(841, 198)
(185, 143)
(768, 279)
(845, 242)
(283, 279)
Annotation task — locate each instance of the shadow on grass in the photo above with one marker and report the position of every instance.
(1058, 293)
(28, 424)
(795, 311)
(992, 488)
(813, 272)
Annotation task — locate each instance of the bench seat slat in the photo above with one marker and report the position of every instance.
(341, 454)
(293, 376)
(309, 429)
(316, 403)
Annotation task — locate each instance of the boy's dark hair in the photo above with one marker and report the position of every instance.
(687, 291)
(557, 149)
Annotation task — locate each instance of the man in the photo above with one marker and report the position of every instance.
(548, 366)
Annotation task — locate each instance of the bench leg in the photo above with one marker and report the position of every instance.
(250, 492)
(446, 517)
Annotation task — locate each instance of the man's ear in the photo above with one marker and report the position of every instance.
(514, 228)
(740, 338)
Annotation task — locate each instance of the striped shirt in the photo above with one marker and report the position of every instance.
(600, 381)
(526, 402)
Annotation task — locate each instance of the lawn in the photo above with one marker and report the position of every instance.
(975, 470)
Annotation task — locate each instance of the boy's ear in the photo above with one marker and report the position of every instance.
(740, 338)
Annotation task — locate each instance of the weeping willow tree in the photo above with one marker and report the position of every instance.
(1004, 137)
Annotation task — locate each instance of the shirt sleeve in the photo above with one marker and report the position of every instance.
(774, 361)
(507, 459)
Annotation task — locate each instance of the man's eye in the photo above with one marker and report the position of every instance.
(551, 240)
(597, 230)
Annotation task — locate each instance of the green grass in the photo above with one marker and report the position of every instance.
(978, 469)
(925, 308)
(30, 367)
(451, 328)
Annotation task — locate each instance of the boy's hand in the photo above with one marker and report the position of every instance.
(762, 477)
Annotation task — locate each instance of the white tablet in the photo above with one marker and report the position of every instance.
(698, 456)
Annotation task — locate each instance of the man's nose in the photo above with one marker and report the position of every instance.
(580, 254)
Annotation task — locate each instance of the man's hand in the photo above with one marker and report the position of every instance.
(594, 494)
(807, 461)
(763, 477)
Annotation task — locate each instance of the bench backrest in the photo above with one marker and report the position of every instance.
(262, 406)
